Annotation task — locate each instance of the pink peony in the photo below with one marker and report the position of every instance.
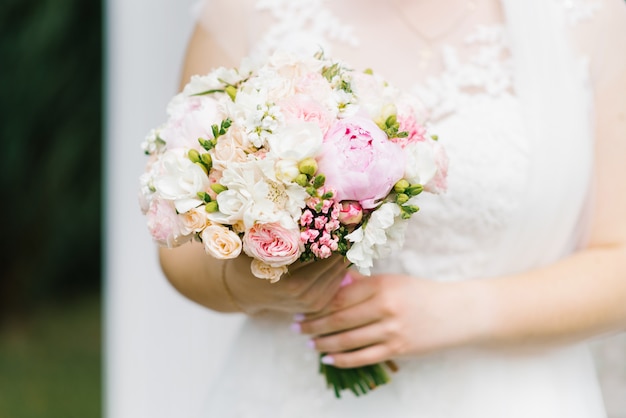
(359, 161)
(164, 224)
(190, 118)
(273, 244)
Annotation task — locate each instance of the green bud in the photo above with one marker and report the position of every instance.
(308, 166)
(211, 207)
(194, 156)
(301, 180)
(435, 137)
(402, 198)
(218, 188)
(312, 191)
(414, 190)
(207, 144)
(401, 186)
(369, 71)
(408, 210)
(203, 167)
(204, 196)
(392, 121)
(207, 160)
(319, 181)
(232, 92)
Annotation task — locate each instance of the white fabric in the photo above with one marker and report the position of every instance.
(160, 348)
(514, 145)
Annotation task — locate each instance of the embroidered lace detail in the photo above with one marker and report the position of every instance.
(486, 70)
(579, 10)
(302, 26)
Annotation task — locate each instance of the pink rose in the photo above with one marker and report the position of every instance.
(359, 161)
(273, 244)
(351, 213)
(302, 108)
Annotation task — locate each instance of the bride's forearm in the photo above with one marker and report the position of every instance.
(197, 276)
(578, 297)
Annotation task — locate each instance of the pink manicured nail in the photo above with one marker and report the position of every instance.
(327, 360)
(310, 344)
(296, 327)
(347, 280)
(299, 317)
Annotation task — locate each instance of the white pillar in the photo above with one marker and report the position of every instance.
(161, 350)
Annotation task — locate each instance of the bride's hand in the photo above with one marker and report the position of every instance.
(378, 318)
(307, 287)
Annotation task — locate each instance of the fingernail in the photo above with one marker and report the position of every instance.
(310, 344)
(347, 279)
(327, 360)
(299, 317)
(296, 327)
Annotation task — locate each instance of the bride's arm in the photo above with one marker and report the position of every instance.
(228, 285)
(581, 296)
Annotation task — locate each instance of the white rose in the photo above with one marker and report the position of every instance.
(181, 180)
(286, 170)
(267, 272)
(297, 141)
(221, 242)
(232, 205)
(420, 163)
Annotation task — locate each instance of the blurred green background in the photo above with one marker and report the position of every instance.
(50, 173)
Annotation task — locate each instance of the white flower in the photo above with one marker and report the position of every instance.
(378, 238)
(420, 163)
(153, 143)
(256, 195)
(215, 80)
(180, 180)
(296, 141)
(286, 170)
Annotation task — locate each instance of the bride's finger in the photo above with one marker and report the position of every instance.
(373, 354)
(356, 338)
(357, 314)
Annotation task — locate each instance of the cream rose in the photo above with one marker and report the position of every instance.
(267, 272)
(220, 242)
(194, 220)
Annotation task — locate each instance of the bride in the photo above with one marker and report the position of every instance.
(502, 280)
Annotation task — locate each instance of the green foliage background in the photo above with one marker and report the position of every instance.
(50, 154)
(50, 188)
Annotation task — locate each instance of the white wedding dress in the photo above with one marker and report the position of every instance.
(508, 207)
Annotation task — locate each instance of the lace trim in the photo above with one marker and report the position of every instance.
(303, 20)
(487, 70)
(579, 10)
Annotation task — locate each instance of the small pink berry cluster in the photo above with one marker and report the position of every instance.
(319, 223)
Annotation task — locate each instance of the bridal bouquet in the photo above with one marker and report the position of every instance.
(291, 159)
